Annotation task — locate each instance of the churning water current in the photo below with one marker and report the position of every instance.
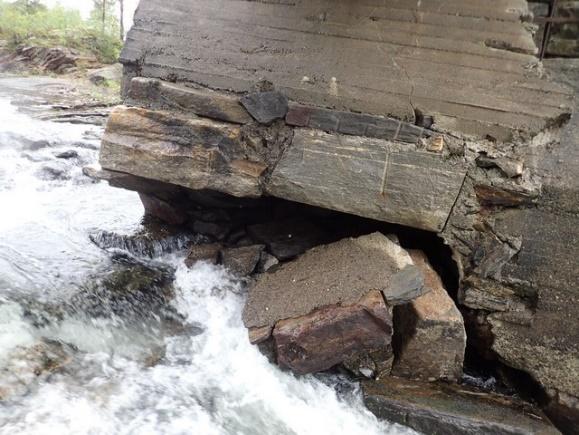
(210, 381)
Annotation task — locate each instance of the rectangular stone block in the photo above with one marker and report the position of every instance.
(430, 338)
(368, 177)
(203, 102)
(193, 153)
(355, 124)
(452, 409)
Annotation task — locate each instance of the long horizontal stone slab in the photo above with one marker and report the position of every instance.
(168, 147)
(160, 94)
(356, 124)
(372, 178)
(448, 409)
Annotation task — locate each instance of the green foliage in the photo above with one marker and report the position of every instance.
(27, 22)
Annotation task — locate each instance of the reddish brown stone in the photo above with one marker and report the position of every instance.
(358, 334)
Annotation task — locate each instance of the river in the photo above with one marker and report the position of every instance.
(124, 371)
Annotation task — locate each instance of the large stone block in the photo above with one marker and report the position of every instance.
(430, 334)
(184, 151)
(159, 94)
(368, 177)
(340, 273)
(357, 335)
(447, 409)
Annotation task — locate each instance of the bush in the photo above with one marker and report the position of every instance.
(27, 23)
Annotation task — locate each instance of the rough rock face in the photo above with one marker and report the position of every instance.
(48, 59)
(332, 305)
(357, 335)
(444, 409)
(430, 332)
(339, 273)
(194, 153)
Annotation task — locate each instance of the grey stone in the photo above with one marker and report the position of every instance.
(266, 107)
(242, 261)
(266, 262)
(405, 286)
(287, 238)
(338, 273)
(205, 252)
(368, 177)
(356, 124)
(429, 332)
(203, 102)
(175, 149)
(443, 409)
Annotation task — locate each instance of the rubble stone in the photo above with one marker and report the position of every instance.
(430, 332)
(357, 334)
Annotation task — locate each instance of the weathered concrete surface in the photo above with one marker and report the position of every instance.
(357, 334)
(193, 153)
(444, 409)
(369, 177)
(339, 273)
(467, 64)
(430, 332)
(520, 261)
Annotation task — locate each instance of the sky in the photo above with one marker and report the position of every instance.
(85, 6)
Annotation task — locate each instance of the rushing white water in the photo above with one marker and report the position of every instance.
(130, 376)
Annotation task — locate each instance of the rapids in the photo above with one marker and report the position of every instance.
(128, 375)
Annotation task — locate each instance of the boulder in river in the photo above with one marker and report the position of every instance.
(332, 305)
(243, 260)
(206, 252)
(430, 335)
(27, 365)
(357, 335)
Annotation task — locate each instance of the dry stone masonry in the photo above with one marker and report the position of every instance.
(435, 116)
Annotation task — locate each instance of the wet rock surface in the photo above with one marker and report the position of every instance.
(430, 334)
(132, 288)
(357, 335)
(29, 365)
(441, 409)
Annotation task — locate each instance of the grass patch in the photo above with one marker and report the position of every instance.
(22, 24)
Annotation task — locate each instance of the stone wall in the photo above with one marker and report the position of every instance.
(469, 140)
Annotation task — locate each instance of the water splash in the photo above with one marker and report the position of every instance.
(134, 374)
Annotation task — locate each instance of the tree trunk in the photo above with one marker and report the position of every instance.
(104, 14)
(122, 4)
